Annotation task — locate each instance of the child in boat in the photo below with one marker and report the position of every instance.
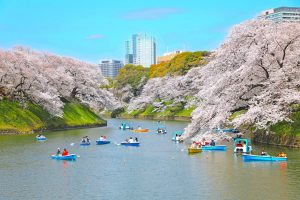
(83, 140)
(65, 152)
(212, 143)
(136, 140)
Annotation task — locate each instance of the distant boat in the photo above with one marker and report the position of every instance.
(136, 144)
(194, 150)
(101, 142)
(214, 148)
(231, 130)
(178, 133)
(241, 145)
(85, 143)
(247, 157)
(125, 126)
(140, 130)
(68, 157)
(41, 137)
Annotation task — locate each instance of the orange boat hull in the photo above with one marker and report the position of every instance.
(140, 130)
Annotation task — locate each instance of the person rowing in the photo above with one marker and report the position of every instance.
(65, 152)
(58, 152)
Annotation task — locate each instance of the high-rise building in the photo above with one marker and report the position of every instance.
(143, 50)
(282, 14)
(128, 55)
(110, 68)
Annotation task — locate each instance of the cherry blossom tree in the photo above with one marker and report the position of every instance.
(256, 69)
(48, 80)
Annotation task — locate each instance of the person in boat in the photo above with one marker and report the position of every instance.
(87, 139)
(281, 154)
(83, 140)
(58, 152)
(194, 145)
(139, 128)
(65, 152)
(178, 137)
(136, 139)
(239, 144)
(39, 135)
(263, 153)
(130, 140)
(212, 143)
(244, 144)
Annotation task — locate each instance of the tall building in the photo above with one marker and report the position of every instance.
(282, 14)
(168, 56)
(128, 54)
(143, 50)
(110, 68)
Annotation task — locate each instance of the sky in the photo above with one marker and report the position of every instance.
(92, 30)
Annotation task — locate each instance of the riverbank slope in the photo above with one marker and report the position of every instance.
(16, 118)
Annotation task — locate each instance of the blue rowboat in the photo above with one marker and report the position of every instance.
(85, 143)
(68, 157)
(42, 138)
(178, 133)
(247, 157)
(99, 142)
(214, 148)
(135, 144)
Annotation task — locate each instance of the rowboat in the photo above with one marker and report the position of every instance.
(135, 144)
(214, 148)
(161, 131)
(40, 138)
(176, 136)
(140, 130)
(68, 157)
(100, 142)
(125, 126)
(85, 143)
(194, 150)
(241, 145)
(247, 157)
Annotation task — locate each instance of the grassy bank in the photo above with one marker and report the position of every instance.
(170, 113)
(283, 133)
(16, 118)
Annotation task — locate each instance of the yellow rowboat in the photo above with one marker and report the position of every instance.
(140, 130)
(194, 150)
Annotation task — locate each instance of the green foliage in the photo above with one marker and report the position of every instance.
(15, 117)
(110, 84)
(289, 128)
(116, 112)
(132, 75)
(177, 110)
(179, 65)
(185, 112)
(236, 114)
(148, 111)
